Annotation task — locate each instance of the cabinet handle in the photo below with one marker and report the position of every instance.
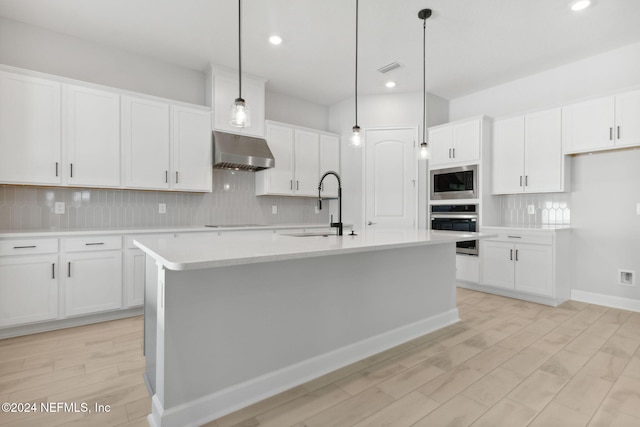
(520, 180)
(71, 167)
(510, 254)
(24, 247)
(449, 152)
(618, 132)
(516, 254)
(526, 180)
(94, 244)
(515, 237)
(297, 185)
(53, 270)
(610, 134)
(454, 153)
(176, 177)
(290, 184)
(69, 269)
(166, 177)
(56, 168)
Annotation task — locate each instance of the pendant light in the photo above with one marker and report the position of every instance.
(240, 114)
(356, 139)
(424, 14)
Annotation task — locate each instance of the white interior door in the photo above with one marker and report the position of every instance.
(390, 178)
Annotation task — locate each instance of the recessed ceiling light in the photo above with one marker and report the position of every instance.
(276, 40)
(390, 84)
(580, 5)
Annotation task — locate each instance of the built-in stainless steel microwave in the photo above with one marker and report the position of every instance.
(454, 183)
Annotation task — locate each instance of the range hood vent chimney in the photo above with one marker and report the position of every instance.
(241, 152)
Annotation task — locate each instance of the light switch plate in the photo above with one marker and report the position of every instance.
(274, 209)
(162, 208)
(59, 208)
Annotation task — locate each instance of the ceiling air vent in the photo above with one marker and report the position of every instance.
(389, 67)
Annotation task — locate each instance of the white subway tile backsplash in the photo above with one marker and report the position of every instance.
(550, 209)
(233, 201)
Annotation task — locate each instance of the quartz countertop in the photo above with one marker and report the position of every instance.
(226, 250)
(150, 230)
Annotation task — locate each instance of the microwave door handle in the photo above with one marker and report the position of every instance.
(454, 216)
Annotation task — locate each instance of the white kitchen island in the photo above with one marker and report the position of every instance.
(231, 320)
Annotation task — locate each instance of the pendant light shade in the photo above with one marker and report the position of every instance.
(424, 14)
(240, 113)
(357, 138)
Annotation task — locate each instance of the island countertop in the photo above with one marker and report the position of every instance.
(219, 251)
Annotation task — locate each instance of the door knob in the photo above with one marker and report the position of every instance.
(370, 223)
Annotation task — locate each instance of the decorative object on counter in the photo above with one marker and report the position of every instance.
(240, 114)
(356, 139)
(338, 224)
(424, 14)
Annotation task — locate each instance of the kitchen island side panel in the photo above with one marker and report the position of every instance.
(228, 326)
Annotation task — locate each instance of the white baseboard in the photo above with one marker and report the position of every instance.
(224, 402)
(606, 300)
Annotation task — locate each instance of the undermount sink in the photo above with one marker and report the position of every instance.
(311, 234)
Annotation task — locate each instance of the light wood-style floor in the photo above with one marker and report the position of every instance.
(507, 363)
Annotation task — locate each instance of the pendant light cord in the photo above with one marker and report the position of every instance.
(356, 97)
(239, 49)
(424, 80)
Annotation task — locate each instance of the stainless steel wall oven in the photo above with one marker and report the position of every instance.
(457, 218)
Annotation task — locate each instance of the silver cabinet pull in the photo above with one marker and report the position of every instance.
(69, 269)
(454, 153)
(166, 177)
(610, 134)
(56, 168)
(618, 132)
(176, 177)
(516, 254)
(297, 184)
(520, 180)
(515, 237)
(290, 184)
(71, 169)
(526, 180)
(94, 244)
(449, 152)
(510, 254)
(53, 270)
(24, 247)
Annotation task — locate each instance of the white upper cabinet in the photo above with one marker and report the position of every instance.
(527, 154)
(602, 123)
(222, 90)
(91, 133)
(191, 166)
(329, 161)
(455, 143)
(298, 153)
(30, 120)
(145, 142)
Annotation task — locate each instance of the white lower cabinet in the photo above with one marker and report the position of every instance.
(532, 264)
(92, 274)
(134, 274)
(28, 289)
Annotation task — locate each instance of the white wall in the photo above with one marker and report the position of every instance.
(404, 109)
(605, 186)
(287, 109)
(38, 49)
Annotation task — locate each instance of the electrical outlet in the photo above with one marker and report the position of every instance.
(162, 208)
(531, 209)
(59, 208)
(274, 209)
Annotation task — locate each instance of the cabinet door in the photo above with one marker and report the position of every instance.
(466, 142)
(588, 125)
(543, 167)
(440, 145)
(91, 137)
(628, 119)
(307, 163)
(93, 282)
(497, 264)
(279, 179)
(225, 93)
(533, 269)
(508, 155)
(134, 274)
(145, 139)
(29, 130)
(329, 161)
(191, 149)
(28, 289)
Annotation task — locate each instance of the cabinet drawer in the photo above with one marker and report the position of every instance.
(91, 243)
(28, 246)
(516, 237)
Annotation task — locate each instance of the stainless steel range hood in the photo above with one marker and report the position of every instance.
(241, 152)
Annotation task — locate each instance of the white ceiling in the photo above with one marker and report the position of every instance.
(471, 44)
